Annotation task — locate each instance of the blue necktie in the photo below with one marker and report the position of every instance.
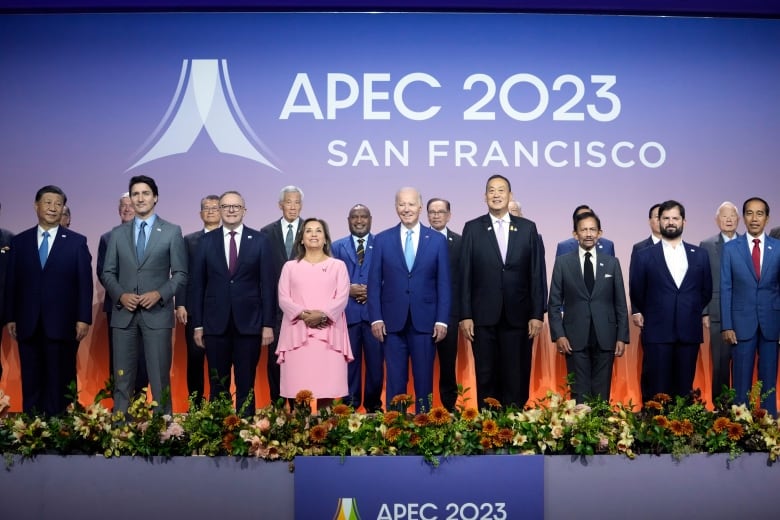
(140, 245)
(409, 250)
(43, 251)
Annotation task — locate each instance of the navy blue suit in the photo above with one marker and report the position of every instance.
(672, 330)
(45, 303)
(233, 309)
(750, 306)
(409, 303)
(360, 338)
(603, 246)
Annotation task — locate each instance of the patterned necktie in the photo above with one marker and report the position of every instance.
(588, 272)
(288, 241)
(409, 250)
(43, 251)
(233, 254)
(757, 258)
(501, 239)
(361, 252)
(140, 245)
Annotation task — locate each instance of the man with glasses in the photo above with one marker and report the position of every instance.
(196, 356)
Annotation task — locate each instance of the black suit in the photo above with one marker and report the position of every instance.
(5, 246)
(638, 247)
(775, 233)
(273, 233)
(447, 349)
(501, 297)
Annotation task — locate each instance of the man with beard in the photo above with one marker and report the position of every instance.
(670, 286)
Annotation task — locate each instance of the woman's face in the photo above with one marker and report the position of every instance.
(313, 236)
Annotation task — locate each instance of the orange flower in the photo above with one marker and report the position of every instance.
(414, 439)
(390, 417)
(421, 419)
(676, 427)
(505, 435)
(492, 403)
(318, 433)
(489, 427)
(439, 415)
(304, 397)
(401, 399)
(655, 405)
(392, 434)
(470, 414)
(227, 442)
(687, 427)
(486, 443)
(721, 424)
(342, 409)
(759, 413)
(663, 398)
(735, 431)
(231, 421)
(661, 421)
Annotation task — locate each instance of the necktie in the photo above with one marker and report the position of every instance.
(757, 258)
(588, 272)
(409, 250)
(501, 239)
(233, 254)
(43, 251)
(288, 240)
(361, 252)
(140, 245)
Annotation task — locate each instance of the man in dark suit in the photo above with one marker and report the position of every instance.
(439, 214)
(233, 301)
(594, 328)
(670, 285)
(727, 220)
(146, 263)
(196, 356)
(409, 298)
(517, 210)
(48, 303)
(356, 251)
(775, 233)
(654, 238)
(603, 246)
(282, 235)
(126, 214)
(749, 301)
(5, 248)
(502, 296)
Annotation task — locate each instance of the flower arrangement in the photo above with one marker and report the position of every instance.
(551, 425)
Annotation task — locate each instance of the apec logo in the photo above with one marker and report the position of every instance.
(347, 510)
(203, 101)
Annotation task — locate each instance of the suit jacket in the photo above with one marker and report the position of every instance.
(59, 294)
(5, 254)
(454, 245)
(394, 292)
(637, 247)
(603, 246)
(488, 284)
(775, 233)
(163, 268)
(191, 240)
(273, 232)
(714, 247)
(605, 306)
(671, 315)
(746, 302)
(249, 295)
(344, 250)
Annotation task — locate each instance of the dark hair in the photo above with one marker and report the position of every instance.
(208, 197)
(146, 180)
(755, 199)
(445, 201)
(671, 204)
(650, 213)
(497, 176)
(583, 216)
(300, 250)
(51, 189)
(579, 208)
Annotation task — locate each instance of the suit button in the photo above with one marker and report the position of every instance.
(231, 282)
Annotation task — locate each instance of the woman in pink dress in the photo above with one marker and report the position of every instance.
(313, 349)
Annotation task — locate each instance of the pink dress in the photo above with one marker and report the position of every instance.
(314, 359)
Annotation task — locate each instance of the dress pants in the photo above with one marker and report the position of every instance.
(744, 356)
(399, 348)
(721, 360)
(447, 352)
(592, 370)
(196, 357)
(668, 368)
(141, 377)
(365, 347)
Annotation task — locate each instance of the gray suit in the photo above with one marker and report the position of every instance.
(593, 322)
(721, 352)
(163, 269)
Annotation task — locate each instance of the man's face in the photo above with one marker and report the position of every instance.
(65, 218)
(49, 210)
(655, 223)
(587, 233)
(672, 223)
(210, 213)
(755, 217)
(514, 208)
(359, 220)
(498, 196)
(408, 207)
(291, 206)
(438, 215)
(143, 199)
(727, 219)
(232, 210)
(126, 210)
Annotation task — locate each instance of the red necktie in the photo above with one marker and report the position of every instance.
(233, 254)
(757, 258)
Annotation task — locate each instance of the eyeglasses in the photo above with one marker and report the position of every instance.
(439, 212)
(209, 209)
(231, 207)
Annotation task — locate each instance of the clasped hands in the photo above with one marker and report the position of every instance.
(314, 319)
(132, 301)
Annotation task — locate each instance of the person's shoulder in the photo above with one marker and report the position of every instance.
(342, 242)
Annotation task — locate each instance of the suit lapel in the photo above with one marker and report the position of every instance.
(746, 257)
(575, 271)
(488, 222)
(155, 231)
(658, 252)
